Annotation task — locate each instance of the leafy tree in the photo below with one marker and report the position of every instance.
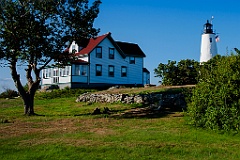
(33, 33)
(215, 101)
(181, 73)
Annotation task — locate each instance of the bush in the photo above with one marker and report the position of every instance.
(62, 93)
(9, 93)
(215, 103)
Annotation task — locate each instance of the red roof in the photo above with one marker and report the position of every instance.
(79, 61)
(92, 44)
(124, 48)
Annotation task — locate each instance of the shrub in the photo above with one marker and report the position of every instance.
(62, 93)
(215, 103)
(9, 93)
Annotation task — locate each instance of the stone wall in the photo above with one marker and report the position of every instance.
(158, 99)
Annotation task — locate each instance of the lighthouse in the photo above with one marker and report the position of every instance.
(208, 43)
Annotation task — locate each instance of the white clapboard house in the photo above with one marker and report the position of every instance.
(101, 64)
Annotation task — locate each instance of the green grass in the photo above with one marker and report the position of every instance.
(65, 129)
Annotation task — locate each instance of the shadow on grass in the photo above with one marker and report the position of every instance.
(136, 112)
(147, 112)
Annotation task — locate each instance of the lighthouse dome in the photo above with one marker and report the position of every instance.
(208, 28)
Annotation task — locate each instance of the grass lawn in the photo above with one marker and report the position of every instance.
(64, 129)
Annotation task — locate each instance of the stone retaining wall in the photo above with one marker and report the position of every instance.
(158, 99)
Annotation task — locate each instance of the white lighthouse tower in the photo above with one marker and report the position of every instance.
(208, 43)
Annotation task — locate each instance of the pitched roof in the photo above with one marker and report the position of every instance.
(124, 48)
(92, 44)
(131, 49)
(146, 70)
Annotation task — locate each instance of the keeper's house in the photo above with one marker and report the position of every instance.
(101, 64)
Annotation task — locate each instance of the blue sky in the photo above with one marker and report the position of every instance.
(165, 30)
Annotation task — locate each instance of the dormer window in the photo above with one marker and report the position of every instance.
(132, 60)
(99, 52)
(73, 48)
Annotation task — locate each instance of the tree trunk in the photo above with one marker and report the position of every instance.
(28, 104)
(28, 97)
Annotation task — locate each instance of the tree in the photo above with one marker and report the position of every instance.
(33, 33)
(215, 100)
(181, 73)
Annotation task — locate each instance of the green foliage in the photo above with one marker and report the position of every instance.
(9, 93)
(62, 93)
(36, 33)
(182, 73)
(216, 98)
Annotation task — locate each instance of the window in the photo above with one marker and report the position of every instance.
(111, 71)
(67, 71)
(43, 73)
(98, 70)
(55, 79)
(111, 53)
(60, 71)
(55, 72)
(132, 60)
(83, 70)
(49, 72)
(63, 71)
(55, 75)
(77, 70)
(73, 48)
(99, 52)
(46, 73)
(210, 40)
(80, 70)
(124, 71)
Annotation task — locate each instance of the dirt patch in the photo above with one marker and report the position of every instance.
(19, 128)
(61, 126)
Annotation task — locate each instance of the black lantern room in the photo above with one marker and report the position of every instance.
(208, 28)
